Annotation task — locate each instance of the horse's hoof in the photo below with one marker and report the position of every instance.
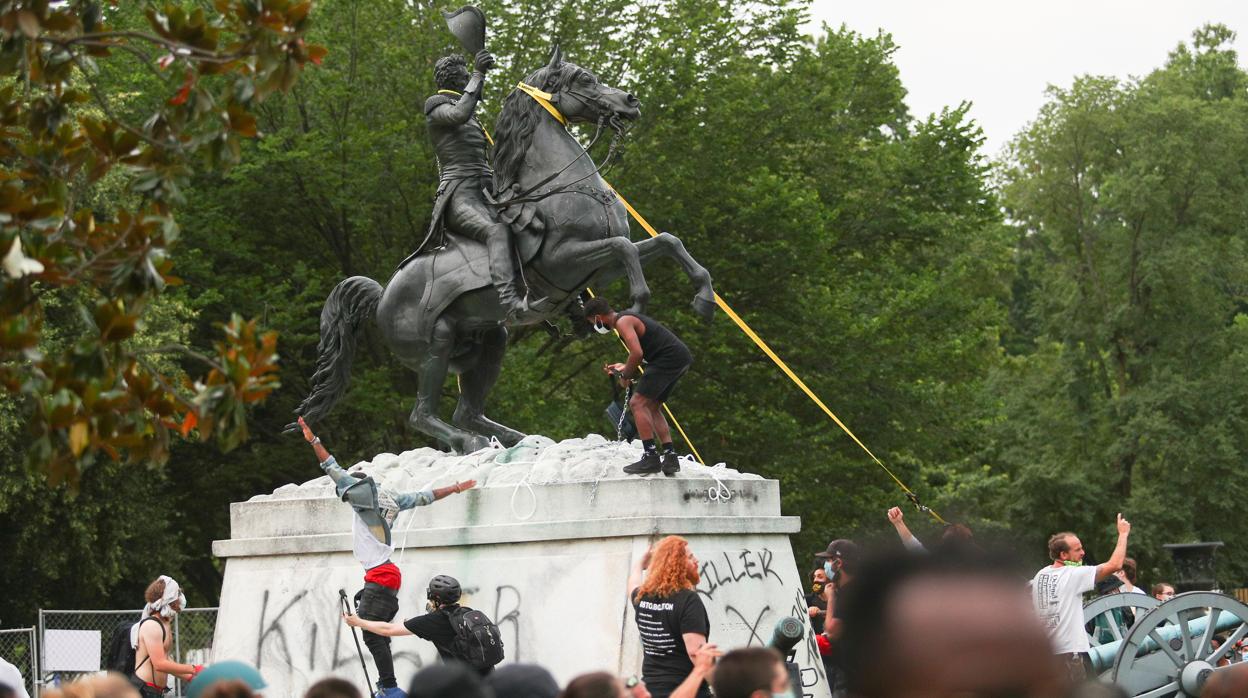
(704, 307)
(511, 438)
(475, 443)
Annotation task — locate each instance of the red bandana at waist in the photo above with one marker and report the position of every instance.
(385, 574)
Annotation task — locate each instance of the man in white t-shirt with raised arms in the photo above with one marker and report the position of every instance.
(1057, 593)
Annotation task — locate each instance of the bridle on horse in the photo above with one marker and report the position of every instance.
(605, 117)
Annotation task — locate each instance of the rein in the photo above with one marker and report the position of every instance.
(543, 98)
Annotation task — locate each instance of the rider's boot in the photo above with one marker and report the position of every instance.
(503, 275)
(391, 692)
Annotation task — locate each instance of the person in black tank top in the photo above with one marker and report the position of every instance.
(666, 359)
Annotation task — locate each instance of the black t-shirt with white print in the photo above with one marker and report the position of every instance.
(662, 623)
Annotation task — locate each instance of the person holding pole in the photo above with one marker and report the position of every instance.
(376, 509)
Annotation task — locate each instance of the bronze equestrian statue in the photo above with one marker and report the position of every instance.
(463, 202)
(443, 309)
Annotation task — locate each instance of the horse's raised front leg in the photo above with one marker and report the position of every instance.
(475, 384)
(670, 246)
(598, 254)
(432, 369)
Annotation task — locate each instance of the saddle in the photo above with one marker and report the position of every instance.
(461, 265)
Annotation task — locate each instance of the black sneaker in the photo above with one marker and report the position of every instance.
(671, 464)
(649, 463)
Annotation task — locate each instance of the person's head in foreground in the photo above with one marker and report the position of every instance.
(522, 681)
(599, 684)
(1228, 682)
(924, 626)
(332, 687)
(449, 679)
(754, 672)
(228, 689)
(230, 670)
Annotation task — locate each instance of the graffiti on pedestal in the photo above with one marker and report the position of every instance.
(744, 588)
(304, 620)
(509, 618)
(727, 568)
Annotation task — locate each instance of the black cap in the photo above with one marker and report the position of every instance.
(841, 548)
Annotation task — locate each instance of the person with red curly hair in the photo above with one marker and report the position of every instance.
(671, 619)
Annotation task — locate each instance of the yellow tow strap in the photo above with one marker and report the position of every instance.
(666, 409)
(543, 98)
(789, 372)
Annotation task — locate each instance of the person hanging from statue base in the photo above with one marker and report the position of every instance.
(666, 360)
(376, 508)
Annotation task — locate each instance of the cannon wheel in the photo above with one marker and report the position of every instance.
(1180, 666)
(1103, 605)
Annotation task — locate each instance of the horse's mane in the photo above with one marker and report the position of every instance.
(517, 121)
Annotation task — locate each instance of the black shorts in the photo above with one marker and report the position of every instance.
(658, 382)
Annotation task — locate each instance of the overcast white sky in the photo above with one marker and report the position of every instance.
(1001, 54)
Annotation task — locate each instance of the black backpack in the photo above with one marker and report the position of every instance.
(121, 655)
(477, 640)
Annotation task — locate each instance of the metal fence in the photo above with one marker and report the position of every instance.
(18, 648)
(75, 643)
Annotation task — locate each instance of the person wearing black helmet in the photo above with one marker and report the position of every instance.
(438, 625)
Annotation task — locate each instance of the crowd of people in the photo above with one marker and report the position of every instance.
(941, 620)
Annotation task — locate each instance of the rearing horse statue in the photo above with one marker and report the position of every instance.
(439, 312)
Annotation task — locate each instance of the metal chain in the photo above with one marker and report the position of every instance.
(619, 427)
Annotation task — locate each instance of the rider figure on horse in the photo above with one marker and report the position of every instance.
(464, 199)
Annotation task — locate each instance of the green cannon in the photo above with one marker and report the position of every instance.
(1170, 649)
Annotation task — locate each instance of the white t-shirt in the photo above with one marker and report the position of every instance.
(1057, 593)
(368, 550)
(12, 677)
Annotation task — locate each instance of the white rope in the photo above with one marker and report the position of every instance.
(524, 481)
(720, 492)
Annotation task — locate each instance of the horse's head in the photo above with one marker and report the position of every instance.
(578, 95)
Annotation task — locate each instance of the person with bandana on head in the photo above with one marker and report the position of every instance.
(152, 641)
(376, 508)
(666, 358)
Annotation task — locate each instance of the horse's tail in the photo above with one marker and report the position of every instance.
(352, 301)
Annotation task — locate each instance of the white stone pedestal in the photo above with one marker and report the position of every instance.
(547, 559)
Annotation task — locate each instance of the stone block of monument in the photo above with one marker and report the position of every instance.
(543, 546)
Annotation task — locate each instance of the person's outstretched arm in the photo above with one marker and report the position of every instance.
(377, 627)
(898, 520)
(1114, 563)
(426, 497)
(328, 463)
